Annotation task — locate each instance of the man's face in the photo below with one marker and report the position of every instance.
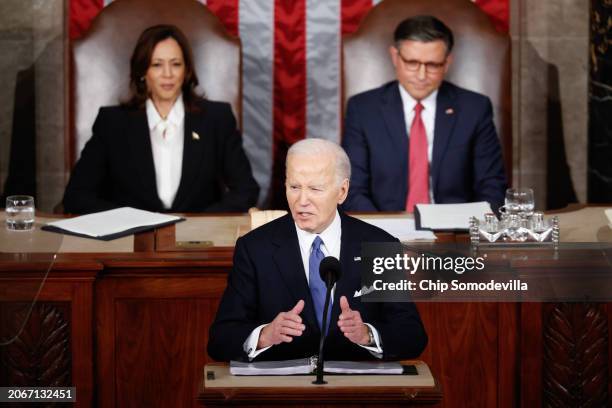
(313, 192)
(420, 66)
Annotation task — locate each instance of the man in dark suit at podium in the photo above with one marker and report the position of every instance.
(420, 139)
(273, 305)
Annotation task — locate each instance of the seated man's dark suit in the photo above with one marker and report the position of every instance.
(466, 162)
(116, 167)
(268, 277)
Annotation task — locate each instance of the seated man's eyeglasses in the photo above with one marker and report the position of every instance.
(430, 67)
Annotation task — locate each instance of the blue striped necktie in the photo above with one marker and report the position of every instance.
(316, 284)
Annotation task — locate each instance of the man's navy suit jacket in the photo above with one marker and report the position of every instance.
(466, 165)
(116, 167)
(268, 277)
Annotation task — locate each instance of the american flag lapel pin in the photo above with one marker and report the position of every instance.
(195, 136)
(450, 111)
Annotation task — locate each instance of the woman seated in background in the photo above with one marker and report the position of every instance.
(166, 148)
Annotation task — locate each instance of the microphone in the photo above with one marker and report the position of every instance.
(330, 271)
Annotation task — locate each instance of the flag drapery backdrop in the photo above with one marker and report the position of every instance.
(291, 68)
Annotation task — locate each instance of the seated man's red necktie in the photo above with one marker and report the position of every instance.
(418, 164)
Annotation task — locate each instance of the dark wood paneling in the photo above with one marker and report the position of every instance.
(153, 310)
(105, 343)
(531, 355)
(463, 350)
(38, 352)
(508, 355)
(575, 355)
(56, 344)
(83, 342)
(565, 355)
(156, 351)
(483, 354)
(152, 336)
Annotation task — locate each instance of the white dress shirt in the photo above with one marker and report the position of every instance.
(167, 139)
(428, 115)
(331, 238)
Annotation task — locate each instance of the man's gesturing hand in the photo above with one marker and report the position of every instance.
(283, 328)
(351, 324)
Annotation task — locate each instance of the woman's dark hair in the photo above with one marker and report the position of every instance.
(425, 29)
(141, 60)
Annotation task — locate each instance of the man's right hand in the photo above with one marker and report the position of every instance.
(283, 328)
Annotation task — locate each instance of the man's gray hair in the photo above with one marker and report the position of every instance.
(318, 147)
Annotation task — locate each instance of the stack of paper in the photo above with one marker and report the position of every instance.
(283, 367)
(363, 367)
(608, 213)
(111, 224)
(401, 228)
(449, 216)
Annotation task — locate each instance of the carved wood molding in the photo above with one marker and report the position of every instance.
(575, 366)
(40, 355)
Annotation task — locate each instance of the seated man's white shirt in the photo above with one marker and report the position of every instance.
(167, 139)
(331, 238)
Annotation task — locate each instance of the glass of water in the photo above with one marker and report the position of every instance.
(519, 201)
(19, 212)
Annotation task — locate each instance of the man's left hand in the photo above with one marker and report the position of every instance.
(351, 325)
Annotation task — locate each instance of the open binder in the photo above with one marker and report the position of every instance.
(306, 366)
(112, 224)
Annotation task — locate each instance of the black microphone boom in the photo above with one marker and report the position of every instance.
(330, 271)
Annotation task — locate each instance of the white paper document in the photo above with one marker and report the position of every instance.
(451, 216)
(363, 367)
(281, 367)
(307, 366)
(402, 228)
(112, 223)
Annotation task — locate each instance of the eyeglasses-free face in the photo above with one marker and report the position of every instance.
(420, 67)
(166, 72)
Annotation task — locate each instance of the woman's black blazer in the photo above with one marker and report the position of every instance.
(116, 167)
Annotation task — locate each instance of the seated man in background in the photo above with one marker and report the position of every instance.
(166, 149)
(273, 305)
(420, 139)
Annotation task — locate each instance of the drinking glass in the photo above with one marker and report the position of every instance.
(19, 212)
(519, 201)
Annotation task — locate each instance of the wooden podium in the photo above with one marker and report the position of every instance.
(219, 387)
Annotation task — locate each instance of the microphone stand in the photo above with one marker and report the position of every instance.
(319, 369)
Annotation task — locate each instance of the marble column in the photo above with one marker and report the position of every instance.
(550, 41)
(32, 96)
(600, 103)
